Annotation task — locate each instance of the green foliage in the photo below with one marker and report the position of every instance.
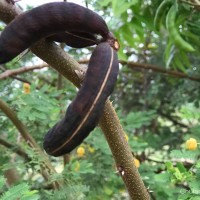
(190, 112)
(116, 4)
(138, 119)
(20, 191)
(188, 155)
(70, 192)
(178, 173)
(36, 105)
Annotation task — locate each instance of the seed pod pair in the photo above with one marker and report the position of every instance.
(47, 20)
(174, 33)
(168, 9)
(160, 13)
(81, 26)
(84, 112)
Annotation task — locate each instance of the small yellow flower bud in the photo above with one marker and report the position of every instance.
(191, 144)
(80, 151)
(26, 88)
(136, 162)
(91, 149)
(127, 138)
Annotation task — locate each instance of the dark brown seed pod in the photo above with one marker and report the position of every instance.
(76, 39)
(84, 112)
(44, 21)
(11, 1)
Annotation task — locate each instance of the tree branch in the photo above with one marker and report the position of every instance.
(161, 70)
(122, 153)
(109, 123)
(14, 148)
(12, 72)
(130, 64)
(28, 138)
(15, 77)
(170, 118)
(154, 68)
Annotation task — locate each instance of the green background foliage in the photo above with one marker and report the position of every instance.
(158, 112)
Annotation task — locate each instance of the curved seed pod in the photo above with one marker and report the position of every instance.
(76, 39)
(174, 33)
(84, 112)
(161, 10)
(11, 1)
(46, 20)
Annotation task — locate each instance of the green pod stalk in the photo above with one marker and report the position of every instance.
(160, 13)
(174, 34)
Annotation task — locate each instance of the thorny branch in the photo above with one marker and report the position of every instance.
(130, 64)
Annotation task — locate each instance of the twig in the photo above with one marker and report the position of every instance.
(154, 68)
(194, 3)
(170, 118)
(14, 148)
(28, 138)
(161, 70)
(15, 77)
(130, 64)
(12, 72)
(21, 128)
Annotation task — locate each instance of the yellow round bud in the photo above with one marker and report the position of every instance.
(26, 88)
(127, 138)
(191, 144)
(91, 149)
(136, 162)
(80, 151)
